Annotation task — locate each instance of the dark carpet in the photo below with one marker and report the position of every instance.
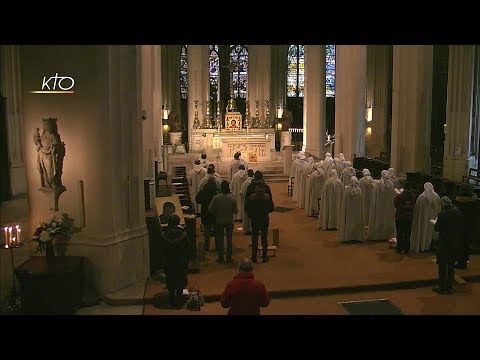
(371, 307)
(282, 209)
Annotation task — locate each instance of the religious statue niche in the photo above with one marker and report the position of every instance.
(50, 154)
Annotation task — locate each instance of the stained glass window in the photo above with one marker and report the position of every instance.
(214, 71)
(330, 71)
(296, 71)
(183, 72)
(239, 57)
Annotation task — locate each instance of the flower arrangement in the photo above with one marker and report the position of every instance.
(56, 227)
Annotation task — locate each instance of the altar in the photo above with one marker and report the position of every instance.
(254, 144)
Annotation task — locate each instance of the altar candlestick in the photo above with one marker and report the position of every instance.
(18, 234)
(6, 235)
(9, 235)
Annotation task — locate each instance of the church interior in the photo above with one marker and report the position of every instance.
(98, 140)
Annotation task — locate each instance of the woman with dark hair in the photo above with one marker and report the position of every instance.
(223, 206)
(176, 256)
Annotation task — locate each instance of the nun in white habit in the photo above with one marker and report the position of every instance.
(381, 224)
(350, 220)
(392, 175)
(427, 207)
(298, 170)
(347, 173)
(306, 171)
(316, 181)
(332, 196)
(367, 184)
(237, 180)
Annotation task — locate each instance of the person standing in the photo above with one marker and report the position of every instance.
(468, 204)
(244, 295)
(204, 198)
(258, 206)
(176, 259)
(449, 224)
(223, 206)
(350, 219)
(235, 165)
(404, 204)
(241, 203)
(196, 175)
(427, 207)
(237, 180)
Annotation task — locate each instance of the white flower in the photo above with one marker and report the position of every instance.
(45, 236)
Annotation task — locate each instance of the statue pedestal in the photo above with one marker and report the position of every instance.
(287, 159)
(53, 195)
(285, 139)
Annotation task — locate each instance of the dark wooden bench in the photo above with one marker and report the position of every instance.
(473, 175)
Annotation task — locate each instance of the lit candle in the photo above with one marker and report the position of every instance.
(18, 233)
(10, 235)
(13, 240)
(6, 235)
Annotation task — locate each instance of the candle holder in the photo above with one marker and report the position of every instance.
(196, 121)
(268, 123)
(219, 119)
(208, 121)
(247, 114)
(257, 114)
(13, 303)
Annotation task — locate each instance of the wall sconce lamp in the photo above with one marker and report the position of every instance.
(279, 112)
(368, 131)
(368, 114)
(165, 112)
(279, 117)
(166, 128)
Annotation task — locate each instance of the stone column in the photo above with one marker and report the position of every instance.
(10, 88)
(101, 127)
(259, 81)
(314, 121)
(350, 83)
(279, 76)
(459, 111)
(411, 108)
(379, 61)
(198, 82)
(152, 107)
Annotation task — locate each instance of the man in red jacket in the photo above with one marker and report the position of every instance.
(244, 295)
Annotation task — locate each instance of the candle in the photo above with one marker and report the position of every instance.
(18, 233)
(13, 240)
(6, 235)
(10, 235)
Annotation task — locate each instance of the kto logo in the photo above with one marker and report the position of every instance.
(56, 85)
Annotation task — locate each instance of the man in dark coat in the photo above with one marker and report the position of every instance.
(257, 179)
(204, 197)
(258, 206)
(176, 260)
(244, 295)
(469, 205)
(223, 207)
(404, 204)
(449, 224)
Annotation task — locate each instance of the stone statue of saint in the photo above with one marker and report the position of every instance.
(50, 154)
(287, 119)
(174, 121)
